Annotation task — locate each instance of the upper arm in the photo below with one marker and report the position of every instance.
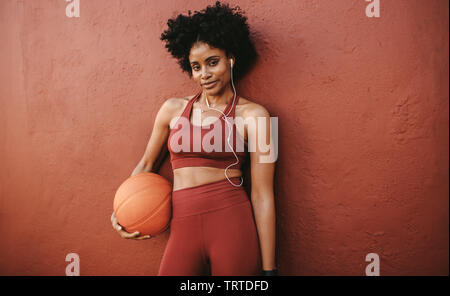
(160, 131)
(262, 151)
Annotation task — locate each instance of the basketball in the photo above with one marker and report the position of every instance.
(143, 203)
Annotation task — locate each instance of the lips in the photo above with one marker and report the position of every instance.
(210, 84)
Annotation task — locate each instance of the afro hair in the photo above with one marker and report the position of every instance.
(220, 27)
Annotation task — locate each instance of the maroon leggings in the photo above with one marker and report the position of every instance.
(212, 232)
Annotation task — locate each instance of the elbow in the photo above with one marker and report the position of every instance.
(262, 197)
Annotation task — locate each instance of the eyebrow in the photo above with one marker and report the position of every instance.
(207, 59)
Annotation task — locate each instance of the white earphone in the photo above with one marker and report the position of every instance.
(229, 128)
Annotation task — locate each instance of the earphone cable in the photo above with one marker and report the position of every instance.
(229, 130)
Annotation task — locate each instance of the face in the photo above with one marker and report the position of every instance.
(210, 64)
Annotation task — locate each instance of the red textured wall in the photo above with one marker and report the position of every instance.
(363, 130)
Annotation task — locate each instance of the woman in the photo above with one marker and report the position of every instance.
(215, 229)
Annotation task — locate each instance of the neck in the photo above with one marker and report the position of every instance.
(217, 99)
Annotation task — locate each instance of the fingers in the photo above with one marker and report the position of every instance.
(123, 233)
(128, 235)
(143, 237)
(114, 223)
(136, 235)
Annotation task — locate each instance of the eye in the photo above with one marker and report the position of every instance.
(214, 62)
(195, 68)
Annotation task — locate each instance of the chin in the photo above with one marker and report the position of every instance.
(214, 91)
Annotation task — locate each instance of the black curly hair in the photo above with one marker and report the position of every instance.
(220, 27)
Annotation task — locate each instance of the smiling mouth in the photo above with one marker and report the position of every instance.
(210, 83)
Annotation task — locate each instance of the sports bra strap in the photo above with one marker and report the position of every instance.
(189, 105)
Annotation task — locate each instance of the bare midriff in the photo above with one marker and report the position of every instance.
(193, 176)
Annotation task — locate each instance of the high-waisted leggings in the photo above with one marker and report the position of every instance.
(212, 232)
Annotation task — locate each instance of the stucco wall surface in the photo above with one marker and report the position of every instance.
(362, 107)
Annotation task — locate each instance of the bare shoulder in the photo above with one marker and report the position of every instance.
(172, 108)
(173, 102)
(250, 108)
(175, 105)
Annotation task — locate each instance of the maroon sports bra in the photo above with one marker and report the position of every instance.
(184, 137)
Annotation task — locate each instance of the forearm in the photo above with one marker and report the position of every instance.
(142, 167)
(264, 211)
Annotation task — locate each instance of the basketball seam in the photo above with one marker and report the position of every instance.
(157, 209)
(125, 200)
(128, 198)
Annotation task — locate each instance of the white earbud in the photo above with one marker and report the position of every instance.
(231, 62)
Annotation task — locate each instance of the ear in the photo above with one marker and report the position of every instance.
(230, 56)
(232, 61)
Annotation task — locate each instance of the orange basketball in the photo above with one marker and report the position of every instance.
(143, 203)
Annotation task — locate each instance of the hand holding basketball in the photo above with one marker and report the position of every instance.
(125, 234)
(142, 205)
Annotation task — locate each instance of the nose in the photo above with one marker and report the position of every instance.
(205, 73)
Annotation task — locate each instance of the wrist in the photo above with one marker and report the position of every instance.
(272, 272)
